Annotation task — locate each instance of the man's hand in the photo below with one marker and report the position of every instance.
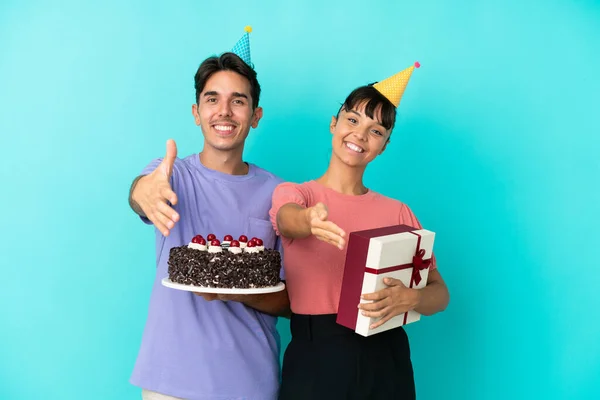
(389, 302)
(276, 304)
(221, 296)
(153, 191)
(324, 230)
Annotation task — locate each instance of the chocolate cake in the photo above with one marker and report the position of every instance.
(240, 264)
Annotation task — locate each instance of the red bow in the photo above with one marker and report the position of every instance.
(419, 264)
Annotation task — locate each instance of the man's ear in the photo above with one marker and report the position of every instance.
(332, 124)
(258, 113)
(195, 114)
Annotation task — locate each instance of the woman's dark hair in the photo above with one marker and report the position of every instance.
(373, 99)
(226, 62)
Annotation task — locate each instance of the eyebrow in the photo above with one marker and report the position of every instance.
(234, 94)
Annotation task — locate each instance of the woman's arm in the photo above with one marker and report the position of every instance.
(434, 297)
(397, 299)
(295, 222)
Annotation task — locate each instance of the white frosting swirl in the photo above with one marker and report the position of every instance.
(235, 250)
(215, 249)
(197, 246)
(251, 250)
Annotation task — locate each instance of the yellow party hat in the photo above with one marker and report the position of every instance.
(393, 87)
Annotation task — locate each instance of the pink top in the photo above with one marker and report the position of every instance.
(314, 269)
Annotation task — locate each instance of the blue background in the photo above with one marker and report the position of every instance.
(496, 149)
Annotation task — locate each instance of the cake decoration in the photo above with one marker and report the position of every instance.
(251, 247)
(234, 247)
(227, 240)
(243, 241)
(198, 243)
(215, 246)
(233, 267)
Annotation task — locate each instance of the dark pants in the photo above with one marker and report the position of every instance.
(327, 361)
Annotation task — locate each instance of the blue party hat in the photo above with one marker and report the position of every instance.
(242, 47)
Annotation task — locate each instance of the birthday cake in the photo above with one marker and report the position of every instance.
(229, 263)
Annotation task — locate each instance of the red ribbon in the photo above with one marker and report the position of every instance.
(419, 264)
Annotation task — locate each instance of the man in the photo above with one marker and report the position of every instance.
(201, 346)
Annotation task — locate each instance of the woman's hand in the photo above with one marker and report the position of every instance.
(394, 300)
(324, 230)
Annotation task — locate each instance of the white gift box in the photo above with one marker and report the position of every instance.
(401, 252)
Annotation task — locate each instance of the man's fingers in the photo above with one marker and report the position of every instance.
(171, 152)
(164, 219)
(169, 195)
(167, 163)
(167, 211)
(230, 297)
(154, 217)
(207, 296)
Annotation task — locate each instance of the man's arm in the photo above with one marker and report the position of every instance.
(132, 203)
(276, 304)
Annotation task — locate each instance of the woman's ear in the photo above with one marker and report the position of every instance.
(384, 146)
(383, 149)
(332, 124)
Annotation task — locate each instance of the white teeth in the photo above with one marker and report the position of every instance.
(224, 128)
(354, 147)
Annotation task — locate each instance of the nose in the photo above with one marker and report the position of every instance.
(225, 109)
(362, 134)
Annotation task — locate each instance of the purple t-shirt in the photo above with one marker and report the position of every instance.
(197, 349)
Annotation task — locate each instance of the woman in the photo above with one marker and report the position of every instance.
(325, 360)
